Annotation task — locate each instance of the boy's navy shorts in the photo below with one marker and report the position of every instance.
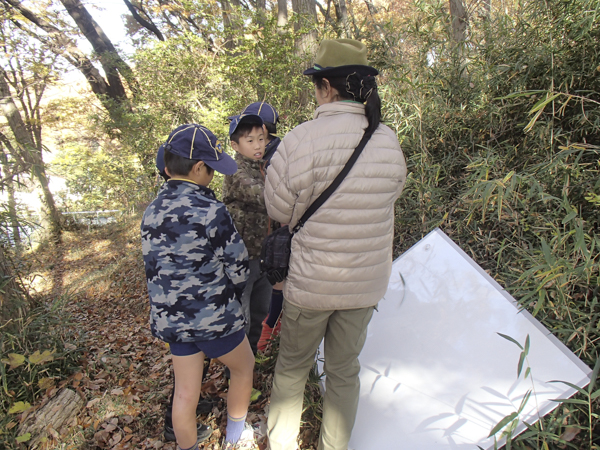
(211, 349)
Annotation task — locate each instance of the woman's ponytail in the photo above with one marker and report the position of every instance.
(364, 89)
(373, 111)
(361, 88)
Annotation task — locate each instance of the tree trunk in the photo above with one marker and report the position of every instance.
(62, 45)
(11, 295)
(341, 11)
(282, 13)
(12, 211)
(10, 191)
(307, 12)
(111, 62)
(231, 23)
(261, 12)
(458, 14)
(371, 7)
(32, 156)
(487, 8)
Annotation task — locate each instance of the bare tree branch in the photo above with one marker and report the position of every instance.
(111, 62)
(148, 24)
(62, 45)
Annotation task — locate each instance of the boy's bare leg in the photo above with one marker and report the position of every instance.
(188, 381)
(240, 362)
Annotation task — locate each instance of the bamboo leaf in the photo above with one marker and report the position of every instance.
(577, 388)
(541, 104)
(547, 252)
(521, 361)
(594, 376)
(540, 303)
(500, 201)
(524, 401)
(520, 94)
(505, 421)
(569, 217)
(508, 176)
(508, 338)
(574, 401)
(533, 121)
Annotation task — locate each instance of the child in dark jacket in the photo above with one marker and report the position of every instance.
(196, 269)
(252, 138)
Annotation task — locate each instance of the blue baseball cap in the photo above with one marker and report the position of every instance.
(193, 141)
(266, 112)
(160, 162)
(236, 121)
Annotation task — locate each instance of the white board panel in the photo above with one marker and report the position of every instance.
(435, 373)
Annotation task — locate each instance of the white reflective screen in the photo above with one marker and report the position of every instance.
(435, 373)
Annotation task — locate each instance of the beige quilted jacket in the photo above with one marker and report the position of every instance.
(341, 258)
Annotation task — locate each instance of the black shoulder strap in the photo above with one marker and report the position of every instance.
(334, 184)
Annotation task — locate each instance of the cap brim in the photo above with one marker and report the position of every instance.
(225, 165)
(160, 159)
(244, 119)
(251, 118)
(341, 71)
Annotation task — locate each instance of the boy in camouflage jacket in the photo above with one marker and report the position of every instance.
(243, 193)
(196, 268)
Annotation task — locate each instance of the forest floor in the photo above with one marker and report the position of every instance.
(125, 374)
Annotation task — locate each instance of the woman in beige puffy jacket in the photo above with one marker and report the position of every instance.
(341, 258)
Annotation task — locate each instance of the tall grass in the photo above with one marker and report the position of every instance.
(501, 134)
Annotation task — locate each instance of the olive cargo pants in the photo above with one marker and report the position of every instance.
(302, 330)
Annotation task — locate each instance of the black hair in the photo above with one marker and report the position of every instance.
(163, 174)
(271, 127)
(180, 166)
(242, 130)
(359, 88)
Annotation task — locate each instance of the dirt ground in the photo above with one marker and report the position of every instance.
(125, 374)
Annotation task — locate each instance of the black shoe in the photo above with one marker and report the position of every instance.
(206, 405)
(204, 432)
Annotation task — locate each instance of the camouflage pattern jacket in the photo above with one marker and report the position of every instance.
(196, 265)
(243, 193)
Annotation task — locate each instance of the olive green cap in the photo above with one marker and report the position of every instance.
(339, 57)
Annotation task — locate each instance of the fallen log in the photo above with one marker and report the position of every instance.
(46, 422)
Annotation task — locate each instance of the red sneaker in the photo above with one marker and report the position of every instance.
(277, 328)
(265, 336)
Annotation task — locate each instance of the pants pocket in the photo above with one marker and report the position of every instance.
(289, 326)
(362, 337)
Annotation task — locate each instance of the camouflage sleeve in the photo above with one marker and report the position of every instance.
(228, 246)
(227, 189)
